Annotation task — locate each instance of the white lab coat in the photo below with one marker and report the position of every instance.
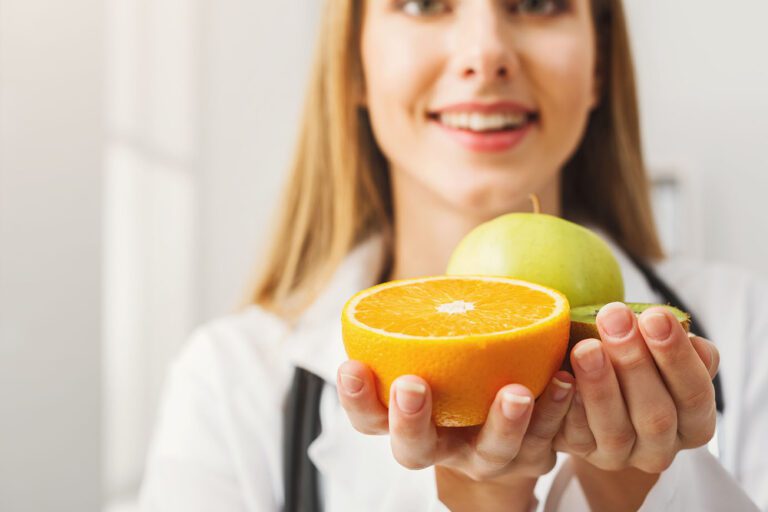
(218, 444)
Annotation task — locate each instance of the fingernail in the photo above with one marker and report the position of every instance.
(513, 405)
(657, 326)
(616, 320)
(561, 389)
(589, 355)
(410, 396)
(350, 383)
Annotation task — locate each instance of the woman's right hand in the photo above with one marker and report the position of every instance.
(512, 447)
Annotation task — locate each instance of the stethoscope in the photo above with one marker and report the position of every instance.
(302, 415)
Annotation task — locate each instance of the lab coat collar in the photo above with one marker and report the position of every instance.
(316, 342)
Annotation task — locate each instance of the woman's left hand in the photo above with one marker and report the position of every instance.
(644, 393)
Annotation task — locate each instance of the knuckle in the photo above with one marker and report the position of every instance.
(491, 459)
(669, 355)
(549, 416)
(609, 463)
(367, 424)
(602, 394)
(659, 423)
(362, 428)
(619, 441)
(582, 446)
(370, 429)
(547, 422)
(408, 461)
(578, 421)
(632, 360)
(657, 464)
(538, 464)
(701, 435)
(697, 400)
(406, 429)
(537, 439)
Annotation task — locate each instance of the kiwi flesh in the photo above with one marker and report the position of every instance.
(583, 323)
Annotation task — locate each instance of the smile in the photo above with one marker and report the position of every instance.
(481, 123)
(478, 127)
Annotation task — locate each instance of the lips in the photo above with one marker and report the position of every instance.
(485, 127)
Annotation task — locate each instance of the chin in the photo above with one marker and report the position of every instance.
(497, 195)
(480, 204)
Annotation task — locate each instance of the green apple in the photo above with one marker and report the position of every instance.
(542, 249)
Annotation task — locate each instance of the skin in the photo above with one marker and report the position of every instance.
(650, 398)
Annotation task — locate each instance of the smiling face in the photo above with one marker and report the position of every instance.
(478, 102)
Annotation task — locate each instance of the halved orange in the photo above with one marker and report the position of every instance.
(467, 336)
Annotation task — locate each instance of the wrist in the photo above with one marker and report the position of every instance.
(460, 493)
(621, 490)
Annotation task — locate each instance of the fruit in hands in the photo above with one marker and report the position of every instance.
(467, 336)
(542, 249)
(584, 325)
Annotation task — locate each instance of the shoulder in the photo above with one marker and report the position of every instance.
(239, 350)
(730, 301)
(701, 275)
(218, 435)
(229, 371)
(713, 283)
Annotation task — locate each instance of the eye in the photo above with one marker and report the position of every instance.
(423, 7)
(540, 7)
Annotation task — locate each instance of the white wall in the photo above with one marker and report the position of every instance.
(50, 184)
(703, 79)
(151, 281)
(256, 59)
(203, 99)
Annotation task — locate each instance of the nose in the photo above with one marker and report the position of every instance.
(485, 51)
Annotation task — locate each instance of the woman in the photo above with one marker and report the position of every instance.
(424, 119)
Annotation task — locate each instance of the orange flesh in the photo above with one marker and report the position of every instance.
(467, 308)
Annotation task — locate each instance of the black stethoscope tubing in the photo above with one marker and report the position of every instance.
(302, 415)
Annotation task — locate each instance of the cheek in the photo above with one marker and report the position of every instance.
(562, 70)
(398, 81)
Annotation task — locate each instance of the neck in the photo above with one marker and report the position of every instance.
(427, 228)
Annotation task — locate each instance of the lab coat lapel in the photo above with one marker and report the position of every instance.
(347, 459)
(316, 344)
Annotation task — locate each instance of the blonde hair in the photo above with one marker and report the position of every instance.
(338, 192)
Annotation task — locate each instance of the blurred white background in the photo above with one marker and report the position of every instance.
(142, 147)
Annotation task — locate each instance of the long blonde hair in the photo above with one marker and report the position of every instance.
(338, 190)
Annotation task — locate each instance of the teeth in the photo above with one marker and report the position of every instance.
(477, 122)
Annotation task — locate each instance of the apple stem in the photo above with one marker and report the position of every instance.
(536, 205)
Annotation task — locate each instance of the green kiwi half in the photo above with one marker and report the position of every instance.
(583, 323)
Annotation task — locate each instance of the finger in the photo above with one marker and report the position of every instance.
(498, 441)
(686, 376)
(650, 407)
(575, 436)
(604, 404)
(707, 352)
(357, 394)
(413, 436)
(552, 406)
